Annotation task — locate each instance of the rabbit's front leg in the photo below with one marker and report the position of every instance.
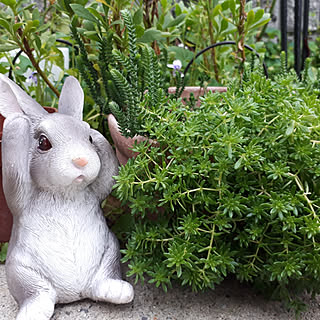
(107, 284)
(39, 307)
(102, 186)
(32, 291)
(15, 160)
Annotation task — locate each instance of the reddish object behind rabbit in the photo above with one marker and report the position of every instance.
(5, 214)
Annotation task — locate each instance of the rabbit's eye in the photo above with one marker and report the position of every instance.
(44, 143)
(90, 139)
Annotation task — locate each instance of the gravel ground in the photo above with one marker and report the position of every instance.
(229, 301)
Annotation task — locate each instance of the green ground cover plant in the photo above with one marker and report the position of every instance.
(231, 189)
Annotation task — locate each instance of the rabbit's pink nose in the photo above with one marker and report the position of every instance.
(80, 162)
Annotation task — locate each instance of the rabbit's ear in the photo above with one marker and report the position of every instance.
(13, 99)
(71, 98)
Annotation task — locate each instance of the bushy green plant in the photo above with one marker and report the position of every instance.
(25, 27)
(210, 22)
(160, 21)
(232, 187)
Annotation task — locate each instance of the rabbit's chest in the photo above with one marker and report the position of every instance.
(66, 243)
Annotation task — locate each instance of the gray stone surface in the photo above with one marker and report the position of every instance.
(229, 301)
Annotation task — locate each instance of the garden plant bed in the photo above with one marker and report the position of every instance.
(221, 193)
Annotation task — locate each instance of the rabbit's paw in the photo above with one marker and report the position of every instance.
(114, 291)
(40, 307)
(16, 121)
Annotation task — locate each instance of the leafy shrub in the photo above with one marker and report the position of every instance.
(210, 22)
(28, 30)
(232, 188)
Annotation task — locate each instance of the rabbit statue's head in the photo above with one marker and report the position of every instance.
(62, 153)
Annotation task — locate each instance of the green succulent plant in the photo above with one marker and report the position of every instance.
(120, 80)
(234, 185)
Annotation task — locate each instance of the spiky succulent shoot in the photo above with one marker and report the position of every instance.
(105, 58)
(88, 72)
(123, 122)
(135, 74)
(252, 62)
(120, 82)
(133, 52)
(307, 65)
(283, 63)
(129, 104)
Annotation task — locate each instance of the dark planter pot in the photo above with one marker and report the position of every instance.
(5, 214)
(123, 145)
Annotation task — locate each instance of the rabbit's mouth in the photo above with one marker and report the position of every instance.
(79, 179)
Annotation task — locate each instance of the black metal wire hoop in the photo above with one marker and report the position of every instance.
(218, 44)
(223, 43)
(14, 60)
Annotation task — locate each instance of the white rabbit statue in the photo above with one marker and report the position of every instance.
(56, 172)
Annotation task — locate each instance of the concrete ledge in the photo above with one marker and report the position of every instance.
(229, 301)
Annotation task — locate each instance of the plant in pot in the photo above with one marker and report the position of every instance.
(238, 183)
(120, 81)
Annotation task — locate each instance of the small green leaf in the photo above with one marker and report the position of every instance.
(37, 41)
(150, 35)
(290, 128)
(139, 31)
(28, 27)
(225, 5)
(224, 25)
(138, 17)
(258, 15)
(216, 10)
(83, 13)
(265, 19)
(92, 35)
(232, 6)
(238, 163)
(178, 10)
(229, 151)
(97, 15)
(10, 3)
(4, 23)
(44, 27)
(176, 21)
(7, 47)
(250, 18)
(19, 25)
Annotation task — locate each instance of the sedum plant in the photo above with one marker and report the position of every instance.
(232, 187)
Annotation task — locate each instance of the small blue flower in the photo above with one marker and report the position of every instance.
(176, 66)
(33, 78)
